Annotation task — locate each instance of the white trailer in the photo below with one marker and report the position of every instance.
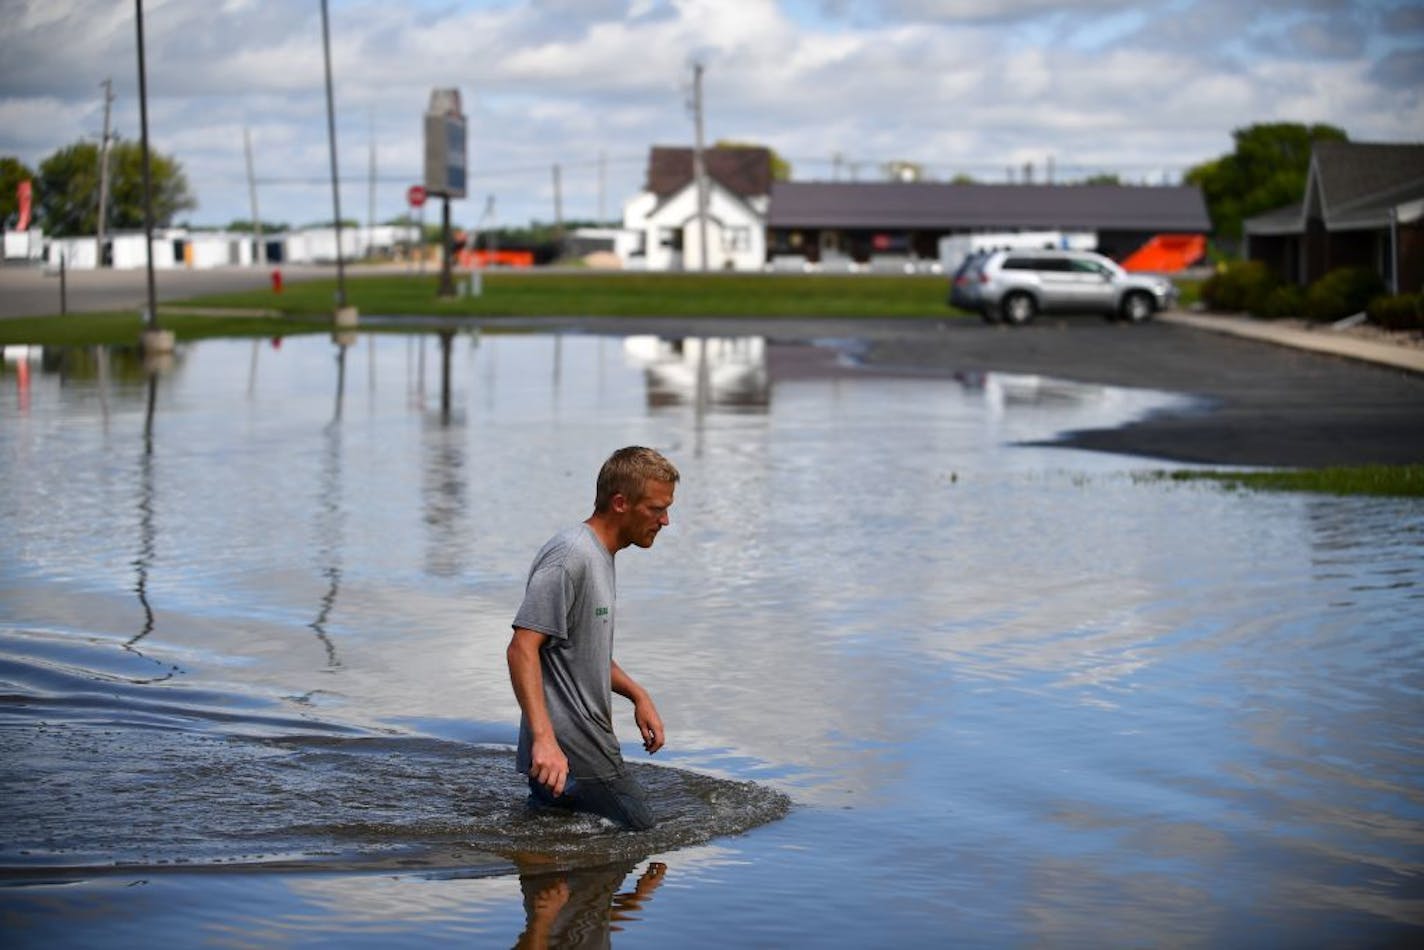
(956, 247)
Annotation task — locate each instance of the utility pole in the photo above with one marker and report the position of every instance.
(335, 180)
(371, 190)
(108, 85)
(699, 163)
(155, 339)
(558, 205)
(602, 185)
(259, 251)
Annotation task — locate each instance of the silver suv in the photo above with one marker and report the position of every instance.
(1015, 286)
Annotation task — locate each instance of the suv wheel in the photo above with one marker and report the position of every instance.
(1137, 307)
(1018, 309)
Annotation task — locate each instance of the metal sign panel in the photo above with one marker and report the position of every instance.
(445, 137)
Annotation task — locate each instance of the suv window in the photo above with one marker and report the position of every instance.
(1054, 264)
(1085, 266)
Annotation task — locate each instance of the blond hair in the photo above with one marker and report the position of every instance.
(626, 473)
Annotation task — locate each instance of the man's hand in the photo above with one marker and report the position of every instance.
(650, 724)
(548, 766)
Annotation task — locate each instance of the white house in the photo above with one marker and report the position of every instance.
(665, 215)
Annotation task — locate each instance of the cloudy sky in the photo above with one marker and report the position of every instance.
(1143, 88)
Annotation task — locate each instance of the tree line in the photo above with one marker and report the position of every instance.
(66, 188)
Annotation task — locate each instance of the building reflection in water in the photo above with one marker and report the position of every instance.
(703, 371)
(583, 907)
(1001, 390)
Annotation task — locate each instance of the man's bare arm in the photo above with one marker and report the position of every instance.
(645, 714)
(548, 765)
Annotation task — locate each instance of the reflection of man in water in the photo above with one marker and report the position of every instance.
(561, 655)
(579, 908)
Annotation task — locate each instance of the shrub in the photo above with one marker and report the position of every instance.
(1342, 292)
(1239, 285)
(1287, 300)
(1398, 312)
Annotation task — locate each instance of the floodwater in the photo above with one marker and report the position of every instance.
(924, 681)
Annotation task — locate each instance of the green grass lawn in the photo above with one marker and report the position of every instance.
(122, 328)
(617, 294)
(1391, 480)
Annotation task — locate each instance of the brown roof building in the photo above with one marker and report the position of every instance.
(857, 217)
(744, 171)
(1362, 207)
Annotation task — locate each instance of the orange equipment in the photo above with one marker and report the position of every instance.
(1167, 253)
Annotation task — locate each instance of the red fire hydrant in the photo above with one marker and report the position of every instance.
(277, 281)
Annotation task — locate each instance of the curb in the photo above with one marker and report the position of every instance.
(179, 310)
(1319, 341)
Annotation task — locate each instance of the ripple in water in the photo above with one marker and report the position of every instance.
(94, 781)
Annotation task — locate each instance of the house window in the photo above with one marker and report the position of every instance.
(736, 239)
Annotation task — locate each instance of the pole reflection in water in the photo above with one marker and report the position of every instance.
(343, 342)
(147, 531)
(558, 368)
(102, 373)
(583, 907)
(252, 369)
(447, 338)
(444, 490)
(147, 537)
(331, 518)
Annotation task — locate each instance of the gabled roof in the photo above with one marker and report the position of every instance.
(1349, 172)
(744, 171)
(1350, 186)
(939, 206)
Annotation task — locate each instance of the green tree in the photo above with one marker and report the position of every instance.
(1103, 178)
(68, 189)
(1267, 170)
(780, 167)
(244, 226)
(12, 172)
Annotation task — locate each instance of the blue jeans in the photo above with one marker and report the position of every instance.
(619, 799)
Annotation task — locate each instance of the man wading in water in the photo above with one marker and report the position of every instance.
(561, 655)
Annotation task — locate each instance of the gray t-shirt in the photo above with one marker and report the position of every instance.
(570, 597)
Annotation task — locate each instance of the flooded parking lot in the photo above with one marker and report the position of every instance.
(925, 677)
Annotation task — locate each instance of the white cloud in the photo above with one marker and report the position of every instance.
(1139, 88)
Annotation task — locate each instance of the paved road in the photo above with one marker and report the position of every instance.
(33, 291)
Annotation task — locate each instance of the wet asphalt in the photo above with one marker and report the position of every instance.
(1257, 404)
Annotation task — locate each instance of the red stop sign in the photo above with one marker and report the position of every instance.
(415, 194)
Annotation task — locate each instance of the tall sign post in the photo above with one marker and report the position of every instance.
(445, 167)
